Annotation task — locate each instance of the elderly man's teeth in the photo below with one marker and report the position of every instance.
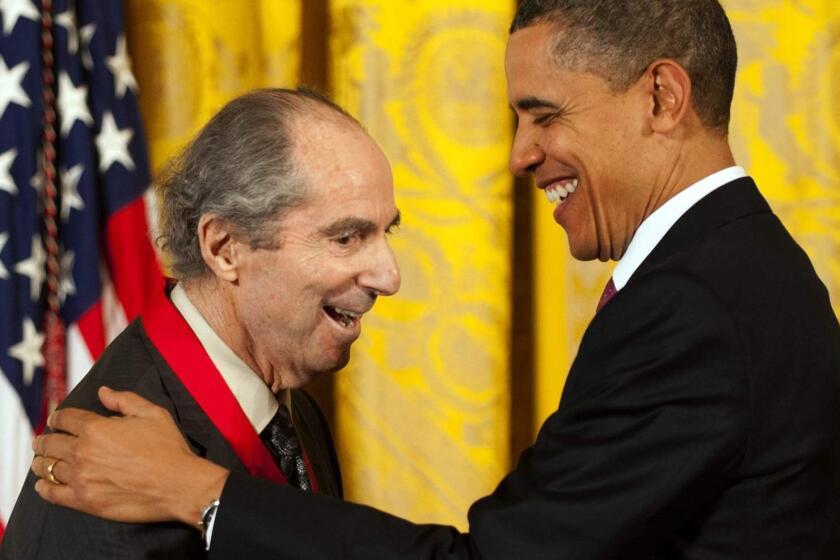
(347, 313)
(346, 317)
(558, 192)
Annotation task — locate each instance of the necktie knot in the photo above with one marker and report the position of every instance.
(607, 295)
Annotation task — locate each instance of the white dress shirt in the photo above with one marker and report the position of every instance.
(655, 226)
(249, 389)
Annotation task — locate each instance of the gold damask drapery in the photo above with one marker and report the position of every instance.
(190, 57)
(424, 414)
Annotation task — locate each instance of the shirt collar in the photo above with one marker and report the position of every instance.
(655, 226)
(250, 391)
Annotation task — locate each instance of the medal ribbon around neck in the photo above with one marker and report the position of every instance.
(176, 342)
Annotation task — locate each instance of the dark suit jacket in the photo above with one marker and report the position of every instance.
(701, 419)
(40, 531)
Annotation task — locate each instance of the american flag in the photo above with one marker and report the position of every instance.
(106, 266)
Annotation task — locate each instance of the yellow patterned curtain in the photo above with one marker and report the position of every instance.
(786, 118)
(190, 57)
(422, 412)
(785, 131)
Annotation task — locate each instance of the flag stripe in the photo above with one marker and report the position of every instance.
(79, 355)
(132, 260)
(92, 329)
(15, 446)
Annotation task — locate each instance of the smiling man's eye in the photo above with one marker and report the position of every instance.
(544, 119)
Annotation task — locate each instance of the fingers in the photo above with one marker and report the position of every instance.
(60, 469)
(57, 445)
(56, 493)
(127, 403)
(71, 420)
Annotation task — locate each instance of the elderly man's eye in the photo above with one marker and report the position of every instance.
(345, 239)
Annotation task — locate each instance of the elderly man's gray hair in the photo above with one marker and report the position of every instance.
(241, 168)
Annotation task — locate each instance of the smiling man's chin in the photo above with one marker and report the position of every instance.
(582, 251)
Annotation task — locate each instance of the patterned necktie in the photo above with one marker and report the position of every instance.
(609, 292)
(282, 440)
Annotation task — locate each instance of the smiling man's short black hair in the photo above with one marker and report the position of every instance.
(618, 39)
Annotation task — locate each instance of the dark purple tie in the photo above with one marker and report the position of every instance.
(609, 292)
(282, 440)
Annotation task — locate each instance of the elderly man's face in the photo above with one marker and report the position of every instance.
(302, 304)
(583, 144)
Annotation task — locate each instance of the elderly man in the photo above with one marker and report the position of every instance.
(699, 419)
(275, 219)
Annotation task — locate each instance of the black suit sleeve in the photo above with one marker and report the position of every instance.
(651, 425)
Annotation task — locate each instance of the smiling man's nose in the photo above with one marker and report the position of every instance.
(525, 155)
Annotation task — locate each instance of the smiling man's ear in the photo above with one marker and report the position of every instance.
(219, 247)
(669, 87)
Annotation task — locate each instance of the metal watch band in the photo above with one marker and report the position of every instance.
(208, 514)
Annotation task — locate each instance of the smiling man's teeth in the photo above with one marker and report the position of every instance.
(559, 191)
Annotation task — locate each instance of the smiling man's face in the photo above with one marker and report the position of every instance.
(583, 142)
(301, 305)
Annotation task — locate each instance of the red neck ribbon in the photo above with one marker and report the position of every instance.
(181, 349)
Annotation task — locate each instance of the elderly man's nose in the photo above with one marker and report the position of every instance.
(383, 276)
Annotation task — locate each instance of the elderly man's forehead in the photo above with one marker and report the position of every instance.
(323, 132)
(311, 113)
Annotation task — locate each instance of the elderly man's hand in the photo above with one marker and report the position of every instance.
(135, 468)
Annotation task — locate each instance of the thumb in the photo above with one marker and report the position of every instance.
(126, 402)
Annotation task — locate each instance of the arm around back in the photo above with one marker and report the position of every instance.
(651, 427)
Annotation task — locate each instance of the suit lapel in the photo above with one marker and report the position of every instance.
(729, 203)
(203, 436)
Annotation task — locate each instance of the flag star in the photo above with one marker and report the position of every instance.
(86, 34)
(34, 268)
(14, 9)
(70, 198)
(7, 182)
(120, 65)
(28, 350)
(67, 20)
(37, 180)
(112, 144)
(66, 286)
(72, 104)
(4, 237)
(11, 90)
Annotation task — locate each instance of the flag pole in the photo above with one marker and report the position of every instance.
(54, 352)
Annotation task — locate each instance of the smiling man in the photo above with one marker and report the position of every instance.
(275, 220)
(699, 419)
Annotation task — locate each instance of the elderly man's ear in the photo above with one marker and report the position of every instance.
(219, 247)
(669, 87)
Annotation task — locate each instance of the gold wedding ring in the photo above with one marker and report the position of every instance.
(50, 475)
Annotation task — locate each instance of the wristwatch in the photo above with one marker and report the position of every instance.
(208, 516)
